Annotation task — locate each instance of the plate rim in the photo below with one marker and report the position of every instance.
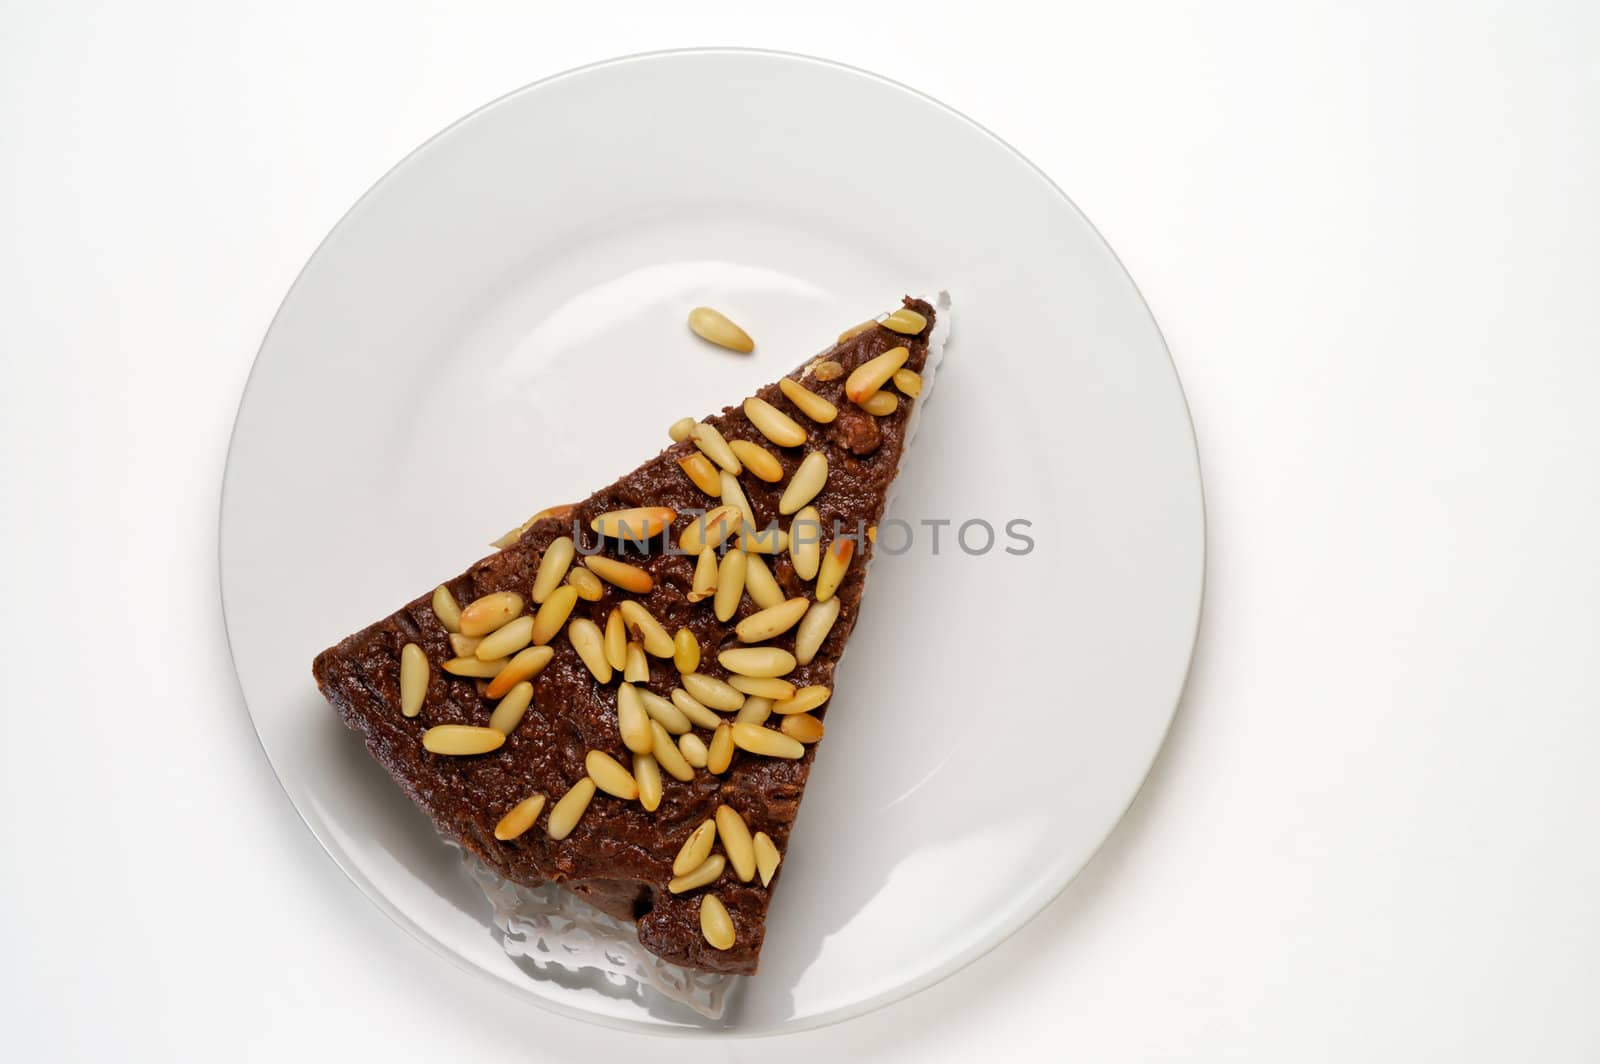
(905, 990)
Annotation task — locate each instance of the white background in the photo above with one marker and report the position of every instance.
(1370, 233)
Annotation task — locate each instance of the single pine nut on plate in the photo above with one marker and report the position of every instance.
(525, 666)
(620, 574)
(829, 370)
(804, 701)
(905, 321)
(773, 423)
(553, 567)
(685, 647)
(695, 849)
(714, 326)
(762, 687)
(874, 373)
(691, 707)
(552, 616)
(767, 857)
(679, 430)
(669, 756)
(493, 610)
(802, 727)
(806, 484)
(586, 584)
(772, 622)
(657, 643)
(570, 809)
(736, 842)
(711, 692)
(757, 460)
(413, 679)
(609, 775)
(648, 774)
(880, 404)
(762, 585)
(757, 661)
(700, 470)
(814, 629)
(665, 713)
(585, 637)
(446, 609)
(616, 640)
(835, 561)
(710, 529)
(908, 381)
(693, 749)
(704, 584)
(708, 871)
(464, 645)
(730, 586)
(719, 755)
(770, 540)
(756, 710)
(638, 524)
(509, 713)
(810, 403)
(636, 669)
(715, 923)
(506, 640)
(461, 740)
(519, 818)
(633, 722)
(715, 447)
(765, 742)
(474, 669)
(805, 543)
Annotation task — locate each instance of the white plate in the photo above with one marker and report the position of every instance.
(499, 325)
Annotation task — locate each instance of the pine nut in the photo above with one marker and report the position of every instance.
(669, 756)
(475, 669)
(734, 495)
(693, 750)
(804, 701)
(773, 423)
(767, 857)
(835, 562)
(552, 616)
(636, 669)
(553, 567)
(509, 713)
(874, 373)
(609, 775)
(757, 661)
(772, 540)
(757, 460)
(414, 675)
(505, 641)
(805, 542)
(616, 641)
(705, 577)
(446, 609)
(463, 645)
(525, 666)
(762, 585)
(620, 574)
(665, 713)
(632, 721)
(715, 923)
(772, 622)
(657, 643)
(814, 628)
(908, 381)
(586, 584)
(856, 330)
(570, 809)
(585, 637)
(520, 818)
(719, 755)
(803, 727)
(648, 774)
(638, 524)
(491, 611)
(730, 585)
(695, 849)
(690, 707)
(710, 529)
(715, 326)
(767, 743)
(461, 740)
(715, 447)
(699, 469)
(880, 404)
(685, 651)
(810, 403)
(755, 710)
(830, 370)
(679, 430)
(763, 687)
(734, 834)
(806, 484)
(906, 321)
(709, 871)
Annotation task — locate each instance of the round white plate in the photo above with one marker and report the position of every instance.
(499, 326)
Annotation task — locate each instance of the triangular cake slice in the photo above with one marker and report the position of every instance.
(578, 707)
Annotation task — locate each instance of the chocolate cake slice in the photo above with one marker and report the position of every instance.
(626, 700)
